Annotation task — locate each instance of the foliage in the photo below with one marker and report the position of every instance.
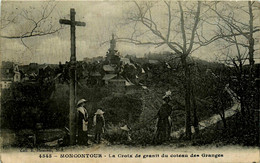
(113, 133)
(143, 134)
(23, 105)
(29, 103)
(234, 134)
(122, 108)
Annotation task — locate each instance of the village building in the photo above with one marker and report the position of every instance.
(153, 61)
(126, 61)
(30, 71)
(9, 73)
(6, 80)
(97, 59)
(108, 77)
(5, 84)
(109, 69)
(95, 78)
(87, 60)
(112, 78)
(17, 73)
(115, 82)
(46, 71)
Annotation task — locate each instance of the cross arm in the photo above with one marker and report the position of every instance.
(64, 21)
(68, 22)
(77, 23)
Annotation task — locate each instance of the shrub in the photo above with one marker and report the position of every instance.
(20, 106)
(144, 134)
(121, 108)
(25, 104)
(113, 133)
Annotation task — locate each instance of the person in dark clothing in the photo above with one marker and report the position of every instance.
(82, 123)
(163, 121)
(99, 123)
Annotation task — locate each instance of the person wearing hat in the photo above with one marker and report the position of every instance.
(99, 124)
(82, 122)
(125, 133)
(163, 121)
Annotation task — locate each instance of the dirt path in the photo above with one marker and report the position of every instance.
(213, 119)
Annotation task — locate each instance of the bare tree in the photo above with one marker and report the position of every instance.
(238, 32)
(177, 31)
(177, 28)
(31, 21)
(232, 26)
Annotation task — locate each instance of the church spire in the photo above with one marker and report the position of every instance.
(112, 43)
(112, 54)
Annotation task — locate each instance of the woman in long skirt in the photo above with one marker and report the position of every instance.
(82, 123)
(164, 121)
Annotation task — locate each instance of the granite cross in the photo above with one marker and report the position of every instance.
(73, 24)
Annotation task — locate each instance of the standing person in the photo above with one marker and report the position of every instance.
(163, 121)
(82, 122)
(99, 123)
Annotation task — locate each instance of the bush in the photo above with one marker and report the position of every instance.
(143, 135)
(235, 133)
(21, 106)
(25, 104)
(140, 134)
(121, 108)
(113, 133)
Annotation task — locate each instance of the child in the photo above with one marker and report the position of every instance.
(126, 137)
(99, 123)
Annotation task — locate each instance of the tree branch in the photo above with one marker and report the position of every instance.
(197, 17)
(35, 31)
(184, 44)
(32, 35)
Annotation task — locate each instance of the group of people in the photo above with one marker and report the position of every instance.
(83, 120)
(163, 122)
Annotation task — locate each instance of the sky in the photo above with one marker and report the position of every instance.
(102, 18)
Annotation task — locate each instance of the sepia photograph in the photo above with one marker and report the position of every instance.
(129, 81)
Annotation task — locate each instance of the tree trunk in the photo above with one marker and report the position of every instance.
(242, 105)
(251, 39)
(195, 118)
(241, 89)
(187, 86)
(223, 119)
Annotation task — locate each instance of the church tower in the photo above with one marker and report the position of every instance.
(112, 54)
(112, 43)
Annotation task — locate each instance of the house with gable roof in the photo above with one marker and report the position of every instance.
(9, 73)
